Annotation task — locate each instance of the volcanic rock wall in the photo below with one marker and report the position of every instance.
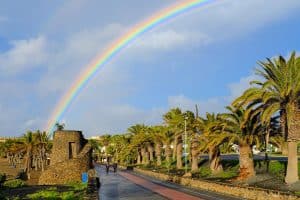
(71, 156)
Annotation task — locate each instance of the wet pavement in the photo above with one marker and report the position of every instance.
(115, 187)
(127, 185)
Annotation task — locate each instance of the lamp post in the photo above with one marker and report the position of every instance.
(185, 145)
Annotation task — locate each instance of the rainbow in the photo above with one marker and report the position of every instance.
(92, 69)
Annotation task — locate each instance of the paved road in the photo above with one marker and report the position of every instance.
(115, 187)
(127, 185)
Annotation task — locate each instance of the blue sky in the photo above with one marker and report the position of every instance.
(205, 57)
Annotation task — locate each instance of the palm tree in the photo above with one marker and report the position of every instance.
(174, 119)
(96, 148)
(59, 127)
(192, 139)
(210, 127)
(237, 128)
(41, 144)
(279, 93)
(156, 133)
(28, 142)
(141, 140)
(104, 141)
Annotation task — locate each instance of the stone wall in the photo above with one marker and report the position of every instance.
(61, 145)
(64, 169)
(244, 192)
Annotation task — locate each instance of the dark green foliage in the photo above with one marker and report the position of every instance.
(14, 183)
(2, 179)
(204, 171)
(277, 168)
(22, 175)
(49, 195)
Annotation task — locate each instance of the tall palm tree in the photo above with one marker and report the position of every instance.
(156, 133)
(41, 144)
(174, 119)
(237, 128)
(191, 138)
(28, 142)
(279, 92)
(210, 126)
(167, 138)
(104, 141)
(141, 140)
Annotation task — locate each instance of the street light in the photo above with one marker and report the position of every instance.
(185, 145)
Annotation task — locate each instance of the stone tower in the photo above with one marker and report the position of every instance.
(70, 157)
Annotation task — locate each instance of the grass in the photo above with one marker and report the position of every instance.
(12, 190)
(76, 192)
(16, 183)
(77, 186)
(49, 195)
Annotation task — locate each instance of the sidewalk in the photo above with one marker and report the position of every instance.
(164, 191)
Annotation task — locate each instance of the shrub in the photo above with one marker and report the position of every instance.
(204, 171)
(49, 195)
(14, 183)
(77, 186)
(277, 168)
(231, 173)
(2, 179)
(68, 195)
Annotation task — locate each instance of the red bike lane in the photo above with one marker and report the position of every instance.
(163, 191)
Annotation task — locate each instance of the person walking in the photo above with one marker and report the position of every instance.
(115, 165)
(107, 168)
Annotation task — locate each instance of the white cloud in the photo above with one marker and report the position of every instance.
(170, 39)
(24, 55)
(237, 89)
(209, 105)
(216, 104)
(100, 107)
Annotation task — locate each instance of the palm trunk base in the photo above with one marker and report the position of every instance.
(292, 168)
(246, 162)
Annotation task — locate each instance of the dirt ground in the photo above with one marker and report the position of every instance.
(10, 171)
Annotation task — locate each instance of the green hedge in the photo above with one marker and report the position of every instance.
(14, 183)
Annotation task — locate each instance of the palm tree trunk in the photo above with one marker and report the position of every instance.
(138, 158)
(168, 153)
(214, 160)
(147, 158)
(284, 131)
(150, 150)
(179, 153)
(267, 139)
(284, 148)
(292, 167)
(283, 124)
(246, 162)
(175, 147)
(158, 153)
(144, 156)
(194, 155)
(293, 137)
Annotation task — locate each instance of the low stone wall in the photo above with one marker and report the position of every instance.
(244, 192)
(65, 172)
